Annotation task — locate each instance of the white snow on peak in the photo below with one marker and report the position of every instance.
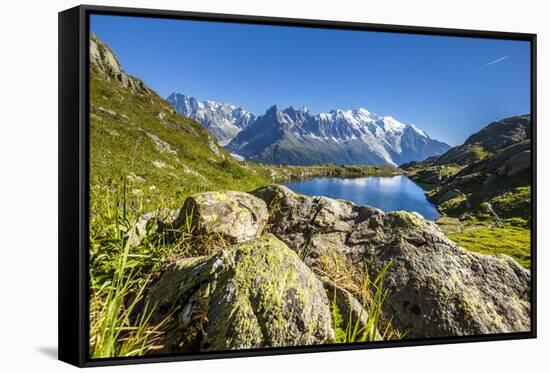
(383, 136)
(224, 121)
(419, 131)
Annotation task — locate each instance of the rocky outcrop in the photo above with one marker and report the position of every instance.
(517, 164)
(502, 134)
(499, 164)
(435, 287)
(434, 175)
(235, 216)
(103, 60)
(496, 174)
(315, 226)
(253, 295)
(439, 289)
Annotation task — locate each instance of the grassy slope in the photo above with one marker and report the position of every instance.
(505, 239)
(121, 147)
(475, 227)
(511, 236)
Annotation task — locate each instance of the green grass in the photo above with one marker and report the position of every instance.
(510, 240)
(169, 158)
(369, 292)
(427, 176)
(114, 330)
(283, 173)
(352, 331)
(516, 203)
(119, 323)
(454, 206)
(479, 229)
(481, 152)
(449, 225)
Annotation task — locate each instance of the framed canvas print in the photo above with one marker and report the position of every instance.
(233, 186)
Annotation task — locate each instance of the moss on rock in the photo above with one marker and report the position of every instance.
(404, 219)
(259, 295)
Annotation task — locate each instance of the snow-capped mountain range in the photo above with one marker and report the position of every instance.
(223, 121)
(297, 136)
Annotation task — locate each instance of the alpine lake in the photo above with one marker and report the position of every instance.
(391, 193)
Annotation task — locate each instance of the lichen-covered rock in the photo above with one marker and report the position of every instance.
(236, 216)
(435, 287)
(256, 294)
(314, 226)
(438, 289)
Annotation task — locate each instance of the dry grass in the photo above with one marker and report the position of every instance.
(368, 290)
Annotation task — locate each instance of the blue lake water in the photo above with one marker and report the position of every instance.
(386, 193)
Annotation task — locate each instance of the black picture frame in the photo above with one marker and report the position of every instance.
(74, 184)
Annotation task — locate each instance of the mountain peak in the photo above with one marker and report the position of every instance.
(273, 109)
(290, 109)
(363, 111)
(419, 131)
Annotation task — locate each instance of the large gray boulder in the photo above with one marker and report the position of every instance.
(435, 288)
(253, 295)
(235, 216)
(439, 289)
(315, 227)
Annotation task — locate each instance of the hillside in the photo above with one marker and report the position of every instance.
(137, 136)
(485, 185)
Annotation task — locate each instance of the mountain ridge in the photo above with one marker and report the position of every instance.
(348, 136)
(224, 121)
(297, 136)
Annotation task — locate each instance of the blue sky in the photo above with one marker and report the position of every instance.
(448, 86)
